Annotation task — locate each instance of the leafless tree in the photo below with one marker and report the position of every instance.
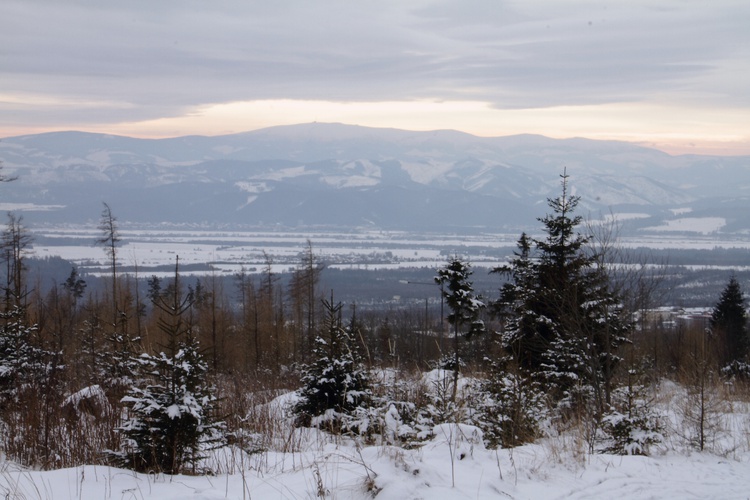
(109, 239)
(16, 243)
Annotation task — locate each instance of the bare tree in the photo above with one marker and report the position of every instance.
(16, 242)
(248, 310)
(110, 237)
(634, 276)
(303, 290)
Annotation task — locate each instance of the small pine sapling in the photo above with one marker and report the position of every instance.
(335, 384)
(170, 420)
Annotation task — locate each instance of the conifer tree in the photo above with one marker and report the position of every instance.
(20, 360)
(171, 405)
(517, 306)
(335, 384)
(563, 323)
(729, 323)
(458, 292)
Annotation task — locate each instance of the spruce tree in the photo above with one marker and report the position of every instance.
(729, 323)
(30, 391)
(458, 292)
(335, 384)
(170, 407)
(21, 362)
(563, 322)
(517, 307)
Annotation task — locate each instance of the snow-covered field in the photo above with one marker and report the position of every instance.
(347, 472)
(701, 225)
(452, 464)
(230, 251)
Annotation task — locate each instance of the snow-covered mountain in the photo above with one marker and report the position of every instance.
(342, 175)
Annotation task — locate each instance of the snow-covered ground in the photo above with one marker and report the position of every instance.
(454, 465)
(701, 225)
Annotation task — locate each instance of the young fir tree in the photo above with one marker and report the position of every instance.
(30, 392)
(563, 323)
(170, 413)
(458, 292)
(729, 323)
(335, 384)
(23, 365)
(517, 307)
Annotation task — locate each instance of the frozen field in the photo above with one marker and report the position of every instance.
(230, 251)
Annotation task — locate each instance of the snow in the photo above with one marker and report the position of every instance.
(621, 216)
(285, 173)
(29, 207)
(426, 172)
(253, 187)
(174, 411)
(702, 225)
(93, 392)
(680, 211)
(453, 465)
(349, 181)
(229, 251)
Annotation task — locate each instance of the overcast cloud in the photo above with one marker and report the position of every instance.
(98, 63)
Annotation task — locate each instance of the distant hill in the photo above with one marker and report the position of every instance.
(321, 174)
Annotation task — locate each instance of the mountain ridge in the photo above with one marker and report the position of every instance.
(296, 175)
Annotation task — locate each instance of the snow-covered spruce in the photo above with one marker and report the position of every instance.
(563, 321)
(170, 417)
(335, 384)
(169, 423)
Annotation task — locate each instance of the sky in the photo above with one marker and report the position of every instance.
(672, 74)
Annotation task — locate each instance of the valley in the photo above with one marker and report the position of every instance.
(378, 206)
(369, 266)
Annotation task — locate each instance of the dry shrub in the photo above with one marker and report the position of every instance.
(40, 430)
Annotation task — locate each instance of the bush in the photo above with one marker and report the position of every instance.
(510, 410)
(633, 428)
(170, 421)
(335, 385)
(736, 370)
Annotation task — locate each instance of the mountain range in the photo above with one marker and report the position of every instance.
(344, 176)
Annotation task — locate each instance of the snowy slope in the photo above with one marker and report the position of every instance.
(452, 463)
(309, 171)
(343, 471)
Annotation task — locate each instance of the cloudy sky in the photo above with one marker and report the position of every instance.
(674, 74)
